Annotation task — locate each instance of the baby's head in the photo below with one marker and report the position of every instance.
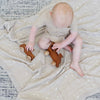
(62, 15)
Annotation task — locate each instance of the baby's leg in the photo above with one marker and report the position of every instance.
(76, 55)
(44, 43)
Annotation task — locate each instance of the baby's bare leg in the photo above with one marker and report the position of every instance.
(76, 55)
(44, 43)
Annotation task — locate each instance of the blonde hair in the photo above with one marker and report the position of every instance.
(62, 8)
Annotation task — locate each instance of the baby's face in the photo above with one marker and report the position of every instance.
(61, 21)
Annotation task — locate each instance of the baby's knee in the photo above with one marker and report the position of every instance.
(78, 40)
(43, 43)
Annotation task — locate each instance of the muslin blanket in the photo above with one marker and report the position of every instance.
(39, 80)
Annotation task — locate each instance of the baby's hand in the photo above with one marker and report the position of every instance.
(58, 46)
(30, 46)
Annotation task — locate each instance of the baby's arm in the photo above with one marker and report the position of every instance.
(31, 38)
(70, 38)
(39, 22)
(32, 34)
(66, 42)
(73, 31)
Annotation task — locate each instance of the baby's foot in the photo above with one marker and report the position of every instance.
(77, 69)
(68, 48)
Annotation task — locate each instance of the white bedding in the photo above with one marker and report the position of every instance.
(39, 80)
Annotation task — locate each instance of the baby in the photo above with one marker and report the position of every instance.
(58, 23)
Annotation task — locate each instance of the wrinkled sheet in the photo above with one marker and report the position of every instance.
(39, 80)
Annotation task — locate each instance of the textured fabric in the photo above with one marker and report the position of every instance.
(18, 9)
(7, 89)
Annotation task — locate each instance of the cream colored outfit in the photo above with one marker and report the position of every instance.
(52, 32)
